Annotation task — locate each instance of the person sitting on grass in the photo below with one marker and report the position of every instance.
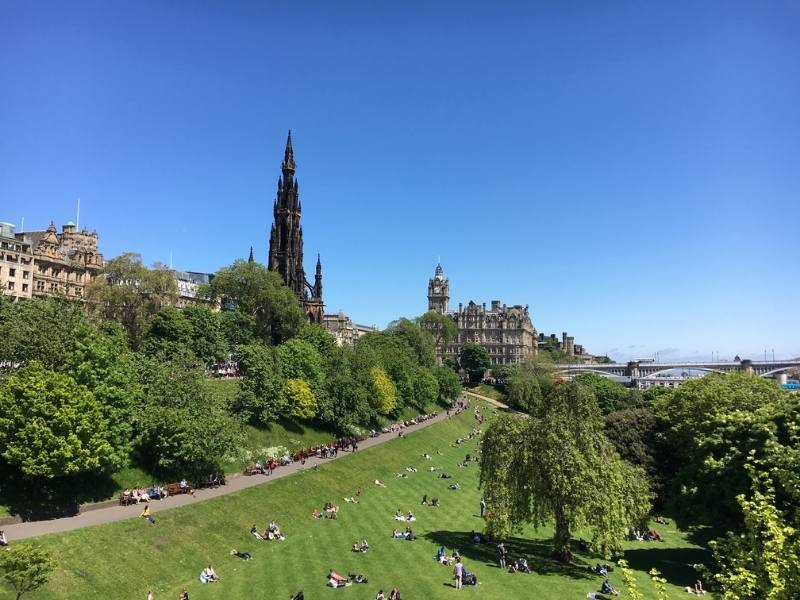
(184, 595)
(477, 537)
(661, 520)
(697, 590)
(398, 535)
(146, 515)
(3, 540)
(255, 534)
(208, 575)
(335, 580)
(239, 554)
(298, 596)
(607, 588)
(424, 500)
(445, 476)
(434, 501)
(409, 534)
(523, 565)
(274, 532)
(361, 546)
(380, 595)
(394, 594)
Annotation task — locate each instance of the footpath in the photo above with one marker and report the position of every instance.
(234, 483)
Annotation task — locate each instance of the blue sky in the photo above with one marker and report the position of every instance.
(629, 170)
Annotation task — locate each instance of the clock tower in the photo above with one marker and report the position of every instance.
(438, 291)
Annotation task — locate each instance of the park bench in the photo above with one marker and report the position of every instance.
(173, 489)
(252, 470)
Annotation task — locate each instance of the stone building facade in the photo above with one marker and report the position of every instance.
(16, 264)
(48, 263)
(506, 332)
(343, 329)
(286, 241)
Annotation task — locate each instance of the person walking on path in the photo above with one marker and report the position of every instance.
(501, 554)
(458, 571)
(483, 506)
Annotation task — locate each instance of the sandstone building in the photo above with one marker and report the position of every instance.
(49, 263)
(343, 329)
(286, 241)
(506, 332)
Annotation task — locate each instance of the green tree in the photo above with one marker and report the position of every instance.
(50, 426)
(259, 396)
(426, 388)
(300, 399)
(40, 329)
(349, 387)
(130, 293)
(186, 431)
(420, 341)
(449, 383)
(250, 288)
(762, 562)
(558, 465)
(708, 426)
(168, 333)
(442, 327)
(634, 434)
(610, 395)
(474, 360)
(384, 391)
(25, 568)
(301, 360)
(522, 387)
(101, 361)
(207, 340)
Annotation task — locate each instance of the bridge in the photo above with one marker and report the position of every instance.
(646, 374)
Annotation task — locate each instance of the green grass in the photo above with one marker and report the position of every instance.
(488, 391)
(125, 559)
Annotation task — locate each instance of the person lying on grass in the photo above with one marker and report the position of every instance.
(445, 476)
(255, 534)
(357, 578)
(380, 483)
(146, 515)
(315, 514)
(244, 555)
(351, 499)
(454, 486)
(335, 580)
(401, 475)
(398, 516)
(361, 546)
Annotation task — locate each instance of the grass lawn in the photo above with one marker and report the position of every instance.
(125, 559)
(487, 390)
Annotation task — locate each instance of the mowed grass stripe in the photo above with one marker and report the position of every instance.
(123, 560)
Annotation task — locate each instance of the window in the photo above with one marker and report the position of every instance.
(40, 286)
(12, 272)
(11, 285)
(53, 287)
(25, 274)
(24, 287)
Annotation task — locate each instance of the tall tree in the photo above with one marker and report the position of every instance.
(40, 329)
(474, 360)
(522, 387)
(441, 327)
(449, 383)
(558, 465)
(418, 339)
(130, 293)
(260, 395)
(250, 288)
(610, 395)
(207, 340)
(101, 361)
(25, 568)
(50, 426)
(169, 333)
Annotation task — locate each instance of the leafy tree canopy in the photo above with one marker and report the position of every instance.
(300, 399)
(25, 568)
(255, 291)
(442, 327)
(558, 465)
(50, 426)
(610, 395)
(474, 360)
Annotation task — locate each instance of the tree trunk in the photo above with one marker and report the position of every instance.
(562, 537)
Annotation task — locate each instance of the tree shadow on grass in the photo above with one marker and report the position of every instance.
(35, 499)
(539, 553)
(675, 564)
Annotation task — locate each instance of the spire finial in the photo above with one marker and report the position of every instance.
(288, 155)
(251, 259)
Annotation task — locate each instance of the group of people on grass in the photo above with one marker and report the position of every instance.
(272, 532)
(650, 535)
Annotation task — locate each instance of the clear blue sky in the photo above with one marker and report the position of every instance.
(630, 170)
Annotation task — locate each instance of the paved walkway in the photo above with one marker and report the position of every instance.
(235, 483)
